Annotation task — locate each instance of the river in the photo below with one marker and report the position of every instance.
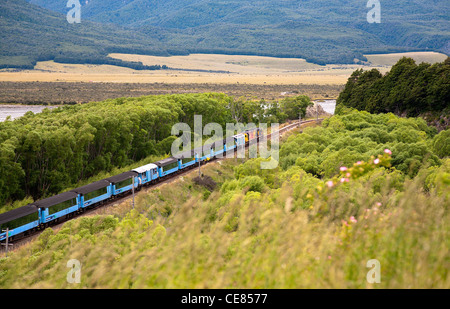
(16, 111)
(328, 105)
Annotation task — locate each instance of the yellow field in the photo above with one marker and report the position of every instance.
(240, 69)
(390, 59)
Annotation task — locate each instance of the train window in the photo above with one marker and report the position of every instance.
(186, 160)
(170, 166)
(94, 194)
(19, 221)
(155, 171)
(62, 206)
(124, 183)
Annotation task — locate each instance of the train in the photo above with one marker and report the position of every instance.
(41, 214)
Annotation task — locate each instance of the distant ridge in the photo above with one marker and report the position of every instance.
(320, 31)
(30, 33)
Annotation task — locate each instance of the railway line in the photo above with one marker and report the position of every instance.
(25, 238)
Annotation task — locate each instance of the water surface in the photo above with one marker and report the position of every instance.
(328, 105)
(16, 111)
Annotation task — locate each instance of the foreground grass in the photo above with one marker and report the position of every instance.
(241, 226)
(301, 234)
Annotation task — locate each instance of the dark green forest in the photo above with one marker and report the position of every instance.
(322, 32)
(408, 89)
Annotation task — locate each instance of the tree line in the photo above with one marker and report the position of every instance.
(408, 89)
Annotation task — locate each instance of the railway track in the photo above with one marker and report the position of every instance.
(19, 242)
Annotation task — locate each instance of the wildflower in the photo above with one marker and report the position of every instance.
(376, 161)
(358, 163)
(344, 180)
(343, 168)
(388, 151)
(330, 184)
(353, 220)
(348, 175)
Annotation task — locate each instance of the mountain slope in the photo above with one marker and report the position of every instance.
(320, 31)
(30, 33)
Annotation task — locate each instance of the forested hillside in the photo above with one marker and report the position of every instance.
(317, 30)
(30, 33)
(408, 89)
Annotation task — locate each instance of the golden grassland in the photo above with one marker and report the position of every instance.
(390, 59)
(240, 69)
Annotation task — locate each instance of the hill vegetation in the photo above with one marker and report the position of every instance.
(31, 33)
(319, 31)
(408, 89)
(282, 228)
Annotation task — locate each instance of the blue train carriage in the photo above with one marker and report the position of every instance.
(186, 159)
(204, 153)
(167, 166)
(20, 220)
(217, 148)
(63, 205)
(147, 174)
(229, 145)
(240, 140)
(123, 183)
(93, 194)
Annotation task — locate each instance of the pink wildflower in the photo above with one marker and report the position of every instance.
(344, 180)
(358, 163)
(343, 168)
(348, 175)
(387, 151)
(330, 184)
(376, 161)
(353, 220)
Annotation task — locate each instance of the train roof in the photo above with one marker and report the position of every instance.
(166, 161)
(17, 213)
(55, 200)
(144, 168)
(121, 177)
(92, 187)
